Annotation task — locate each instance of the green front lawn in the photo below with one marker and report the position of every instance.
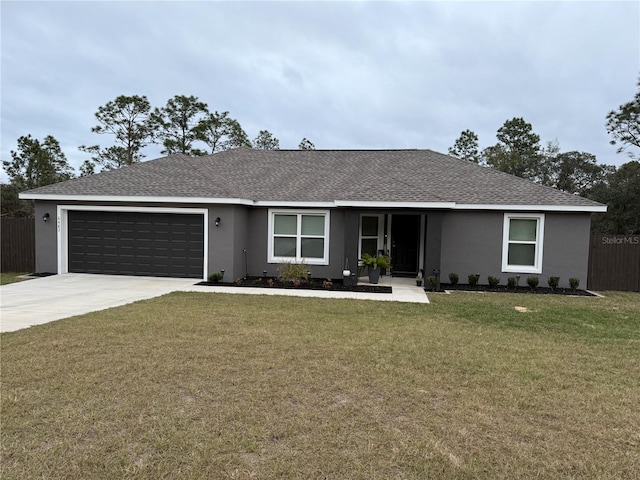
(234, 386)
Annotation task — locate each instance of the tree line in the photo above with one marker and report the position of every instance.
(186, 126)
(518, 151)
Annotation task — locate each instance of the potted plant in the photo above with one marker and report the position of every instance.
(375, 264)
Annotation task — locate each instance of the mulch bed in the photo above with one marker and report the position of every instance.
(312, 284)
(505, 289)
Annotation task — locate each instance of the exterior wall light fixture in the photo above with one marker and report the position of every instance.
(217, 221)
(45, 217)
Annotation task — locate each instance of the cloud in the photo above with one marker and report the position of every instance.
(343, 74)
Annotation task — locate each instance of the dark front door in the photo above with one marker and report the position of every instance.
(134, 243)
(405, 243)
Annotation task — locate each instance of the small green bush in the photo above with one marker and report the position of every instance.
(473, 279)
(216, 277)
(382, 261)
(511, 282)
(453, 278)
(493, 281)
(553, 282)
(293, 272)
(433, 280)
(574, 283)
(533, 282)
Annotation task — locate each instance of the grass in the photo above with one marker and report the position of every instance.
(11, 277)
(233, 386)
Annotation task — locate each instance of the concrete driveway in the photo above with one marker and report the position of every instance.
(42, 300)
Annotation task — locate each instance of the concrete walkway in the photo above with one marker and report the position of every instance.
(402, 290)
(42, 300)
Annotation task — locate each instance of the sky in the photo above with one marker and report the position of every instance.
(345, 75)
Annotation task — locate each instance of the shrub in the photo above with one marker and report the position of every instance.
(553, 282)
(453, 278)
(433, 280)
(215, 277)
(473, 279)
(574, 283)
(382, 261)
(293, 272)
(511, 282)
(493, 281)
(533, 282)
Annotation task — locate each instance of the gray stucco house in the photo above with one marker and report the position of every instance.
(247, 211)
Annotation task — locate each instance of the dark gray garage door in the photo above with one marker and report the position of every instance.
(127, 243)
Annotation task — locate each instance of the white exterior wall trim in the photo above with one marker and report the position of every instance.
(63, 227)
(325, 204)
(534, 208)
(374, 204)
(264, 203)
(136, 199)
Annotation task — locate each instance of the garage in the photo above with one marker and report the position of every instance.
(136, 243)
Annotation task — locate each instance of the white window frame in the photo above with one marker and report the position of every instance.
(271, 258)
(539, 243)
(379, 236)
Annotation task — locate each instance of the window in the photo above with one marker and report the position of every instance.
(522, 243)
(371, 230)
(297, 236)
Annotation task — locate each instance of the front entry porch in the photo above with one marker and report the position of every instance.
(400, 235)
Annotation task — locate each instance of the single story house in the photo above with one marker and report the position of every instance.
(247, 211)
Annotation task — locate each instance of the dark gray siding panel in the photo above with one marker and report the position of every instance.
(351, 227)
(255, 243)
(224, 242)
(472, 243)
(46, 238)
(433, 243)
(566, 247)
(134, 243)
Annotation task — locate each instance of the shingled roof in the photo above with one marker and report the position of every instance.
(420, 178)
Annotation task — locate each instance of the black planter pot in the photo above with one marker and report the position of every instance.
(374, 274)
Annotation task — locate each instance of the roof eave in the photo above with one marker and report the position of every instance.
(324, 204)
(132, 199)
(528, 208)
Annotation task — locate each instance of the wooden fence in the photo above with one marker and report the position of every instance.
(17, 245)
(614, 262)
